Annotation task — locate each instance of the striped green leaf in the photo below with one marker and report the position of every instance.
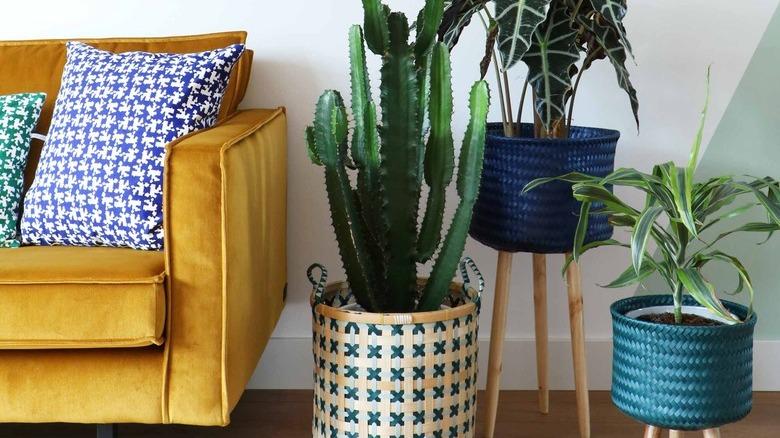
(681, 185)
(631, 276)
(703, 292)
(582, 230)
(641, 233)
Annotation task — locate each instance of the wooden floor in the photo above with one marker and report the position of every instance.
(287, 414)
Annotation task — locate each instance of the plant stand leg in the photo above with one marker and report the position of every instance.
(107, 431)
(676, 434)
(574, 286)
(503, 277)
(540, 320)
(652, 431)
(712, 433)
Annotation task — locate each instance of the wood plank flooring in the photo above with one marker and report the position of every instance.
(287, 414)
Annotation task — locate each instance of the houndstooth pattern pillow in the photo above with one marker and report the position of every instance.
(18, 116)
(99, 181)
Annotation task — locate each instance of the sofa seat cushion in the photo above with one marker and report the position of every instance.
(74, 297)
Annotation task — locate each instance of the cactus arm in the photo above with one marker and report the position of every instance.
(399, 177)
(311, 148)
(427, 26)
(469, 174)
(375, 20)
(330, 139)
(365, 142)
(361, 97)
(439, 154)
(423, 87)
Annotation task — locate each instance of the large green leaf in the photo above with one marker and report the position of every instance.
(614, 11)
(457, 15)
(400, 164)
(641, 233)
(607, 38)
(552, 54)
(517, 22)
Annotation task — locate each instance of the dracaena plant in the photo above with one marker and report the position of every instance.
(376, 222)
(557, 40)
(676, 215)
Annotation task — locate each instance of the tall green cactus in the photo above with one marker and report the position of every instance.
(376, 223)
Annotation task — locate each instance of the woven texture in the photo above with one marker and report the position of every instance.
(683, 378)
(545, 219)
(394, 380)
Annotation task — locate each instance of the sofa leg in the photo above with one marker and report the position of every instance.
(107, 431)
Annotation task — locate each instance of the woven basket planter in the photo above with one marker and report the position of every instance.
(681, 377)
(543, 220)
(394, 375)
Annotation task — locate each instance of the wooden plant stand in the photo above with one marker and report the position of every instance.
(576, 320)
(655, 432)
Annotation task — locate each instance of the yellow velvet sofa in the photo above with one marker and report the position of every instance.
(103, 335)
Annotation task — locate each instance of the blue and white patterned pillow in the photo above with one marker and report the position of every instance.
(99, 180)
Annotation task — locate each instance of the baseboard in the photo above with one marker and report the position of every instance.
(287, 364)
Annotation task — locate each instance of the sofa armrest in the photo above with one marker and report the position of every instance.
(225, 245)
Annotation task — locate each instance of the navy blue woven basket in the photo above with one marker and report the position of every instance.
(681, 377)
(545, 219)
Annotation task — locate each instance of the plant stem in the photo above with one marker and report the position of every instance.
(507, 123)
(508, 97)
(585, 63)
(520, 109)
(678, 290)
(503, 96)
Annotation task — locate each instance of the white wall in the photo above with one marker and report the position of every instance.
(301, 49)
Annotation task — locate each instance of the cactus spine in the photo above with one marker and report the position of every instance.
(376, 223)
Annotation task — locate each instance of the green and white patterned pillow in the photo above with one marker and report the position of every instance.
(18, 116)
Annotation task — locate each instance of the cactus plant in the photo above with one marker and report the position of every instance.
(377, 222)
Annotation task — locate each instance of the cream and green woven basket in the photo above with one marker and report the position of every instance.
(392, 375)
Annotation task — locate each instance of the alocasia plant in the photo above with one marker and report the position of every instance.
(557, 39)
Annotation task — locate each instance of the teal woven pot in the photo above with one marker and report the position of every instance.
(681, 377)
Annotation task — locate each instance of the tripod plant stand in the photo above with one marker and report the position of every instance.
(574, 286)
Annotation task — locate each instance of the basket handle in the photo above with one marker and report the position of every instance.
(318, 286)
(466, 264)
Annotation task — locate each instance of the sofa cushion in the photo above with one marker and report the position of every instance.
(36, 65)
(70, 297)
(99, 182)
(18, 116)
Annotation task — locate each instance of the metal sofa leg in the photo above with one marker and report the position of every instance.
(107, 431)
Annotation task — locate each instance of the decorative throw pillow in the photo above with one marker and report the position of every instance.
(18, 116)
(99, 180)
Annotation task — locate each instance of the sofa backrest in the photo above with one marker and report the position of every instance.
(29, 66)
